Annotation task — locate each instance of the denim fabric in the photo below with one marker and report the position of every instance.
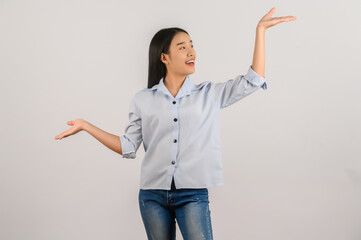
(160, 209)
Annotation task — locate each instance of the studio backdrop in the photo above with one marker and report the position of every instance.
(290, 154)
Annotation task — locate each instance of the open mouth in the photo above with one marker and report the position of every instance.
(190, 63)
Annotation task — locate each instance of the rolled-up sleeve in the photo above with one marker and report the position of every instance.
(233, 90)
(132, 138)
(255, 79)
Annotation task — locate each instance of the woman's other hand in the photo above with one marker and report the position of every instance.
(77, 125)
(267, 21)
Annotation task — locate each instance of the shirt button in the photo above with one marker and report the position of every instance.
(174, 102)
(175, 140)
(173, 162)
(175, 119)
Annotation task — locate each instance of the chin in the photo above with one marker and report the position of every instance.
(191, 72)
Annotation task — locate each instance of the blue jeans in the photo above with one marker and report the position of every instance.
(190, 207)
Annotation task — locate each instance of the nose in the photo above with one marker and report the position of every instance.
(192, 52)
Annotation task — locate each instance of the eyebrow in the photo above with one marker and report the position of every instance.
(183, 43)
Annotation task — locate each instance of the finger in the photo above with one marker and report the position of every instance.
(270, 12)
(65, 133)
(62, 136)
(287, 19)
(283, 19)
(70, 123)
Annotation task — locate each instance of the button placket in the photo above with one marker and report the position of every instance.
(176, 133)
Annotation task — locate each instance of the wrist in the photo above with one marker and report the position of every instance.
(260, 28)
(84, 125)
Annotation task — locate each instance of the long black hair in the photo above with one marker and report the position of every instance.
(160, 44)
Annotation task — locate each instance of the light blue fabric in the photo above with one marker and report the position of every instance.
(181, 135)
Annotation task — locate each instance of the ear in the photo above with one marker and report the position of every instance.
(164, 58)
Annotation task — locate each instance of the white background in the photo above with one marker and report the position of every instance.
(291, 154)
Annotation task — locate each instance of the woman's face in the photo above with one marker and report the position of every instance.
(180, 51)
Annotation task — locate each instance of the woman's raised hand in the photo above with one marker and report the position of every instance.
(267, 21)
(77, 125)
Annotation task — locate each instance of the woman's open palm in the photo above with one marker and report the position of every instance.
(266, 21)
(76, 127)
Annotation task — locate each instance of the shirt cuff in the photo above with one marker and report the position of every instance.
(127, 148)
(255, 79)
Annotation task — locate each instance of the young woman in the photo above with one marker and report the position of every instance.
(178, 123)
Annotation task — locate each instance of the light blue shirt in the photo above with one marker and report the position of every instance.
(181, 135)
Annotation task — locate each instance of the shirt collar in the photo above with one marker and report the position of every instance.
(185, 89)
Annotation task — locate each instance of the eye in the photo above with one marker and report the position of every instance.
(183, 47)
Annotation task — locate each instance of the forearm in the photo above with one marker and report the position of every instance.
(109, 140)
(258, 63)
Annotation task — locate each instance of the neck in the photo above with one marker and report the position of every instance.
(174, 82)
